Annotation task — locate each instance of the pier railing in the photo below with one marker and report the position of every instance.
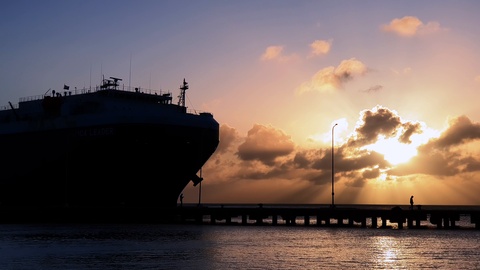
(396, 217)
(338, 216)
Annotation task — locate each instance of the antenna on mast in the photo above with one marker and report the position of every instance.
(130, 74)
(181, 97)
(90, 77)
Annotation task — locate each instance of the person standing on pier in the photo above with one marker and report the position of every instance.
(411, 203)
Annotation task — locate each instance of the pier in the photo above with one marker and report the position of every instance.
(448, 217)
(372, 217)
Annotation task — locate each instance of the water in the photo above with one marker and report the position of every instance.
(162, 246)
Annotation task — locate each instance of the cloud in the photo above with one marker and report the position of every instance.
(446, 155)
(228, 135)
(351, 160)
(409, 129)
(331, 78)
(276, 54)
(349, 68)
(272, 53)
(320, 47)
(374, 88)
(301, 160)
(265, 144)
(461, 130)
(267, 156)
(373, 123)
(410, 26)
(371, 173)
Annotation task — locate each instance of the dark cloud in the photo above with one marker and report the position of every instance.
(265, 144)
(319, 177)
(461, 130)
(471, 164)
(408, 130)
(312, 158)
(362, 159)
(375, 122)
(347, 162)
(374, 88)
(301, 160)
(371, 173)
(381, 121)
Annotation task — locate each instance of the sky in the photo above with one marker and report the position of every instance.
(393, 85)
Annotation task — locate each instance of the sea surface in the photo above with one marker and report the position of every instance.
(203, 246)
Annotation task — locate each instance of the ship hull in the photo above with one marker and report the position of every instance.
(108, 166)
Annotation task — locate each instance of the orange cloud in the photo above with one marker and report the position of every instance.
(276, 54)
(269, 156)
(272, 53)
(410, 26)
(265, 144)
(331, 78)
(228, 135)
(320, 47)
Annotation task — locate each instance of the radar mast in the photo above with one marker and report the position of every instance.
(181, 97)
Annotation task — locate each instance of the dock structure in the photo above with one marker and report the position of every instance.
(339, 216)
(329, 216)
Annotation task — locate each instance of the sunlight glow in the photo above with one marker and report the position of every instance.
(340, 130)
(394, 151)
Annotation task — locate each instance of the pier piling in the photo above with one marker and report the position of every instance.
(265, 215)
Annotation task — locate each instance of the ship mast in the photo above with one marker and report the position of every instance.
(181, 97)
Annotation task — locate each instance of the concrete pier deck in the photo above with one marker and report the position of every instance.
(417, 217)
(274, 215)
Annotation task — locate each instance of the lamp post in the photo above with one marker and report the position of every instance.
(200, 189)
(333, 169)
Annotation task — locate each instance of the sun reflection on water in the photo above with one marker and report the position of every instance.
(299, 247)
(388, 250)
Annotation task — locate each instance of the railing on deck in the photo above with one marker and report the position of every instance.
(95, 89)
(86, 90)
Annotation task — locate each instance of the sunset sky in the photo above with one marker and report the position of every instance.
(401, 79)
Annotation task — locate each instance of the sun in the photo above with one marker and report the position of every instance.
(394, 151)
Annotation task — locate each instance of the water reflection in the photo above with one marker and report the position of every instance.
(234, 247)
(389, 251)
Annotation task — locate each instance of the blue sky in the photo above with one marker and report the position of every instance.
(277, 75)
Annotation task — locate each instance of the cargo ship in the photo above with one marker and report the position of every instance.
(100, 150)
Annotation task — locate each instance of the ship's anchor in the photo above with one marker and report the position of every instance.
(196, 180)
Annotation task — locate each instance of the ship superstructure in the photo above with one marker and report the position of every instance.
(102, 147)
